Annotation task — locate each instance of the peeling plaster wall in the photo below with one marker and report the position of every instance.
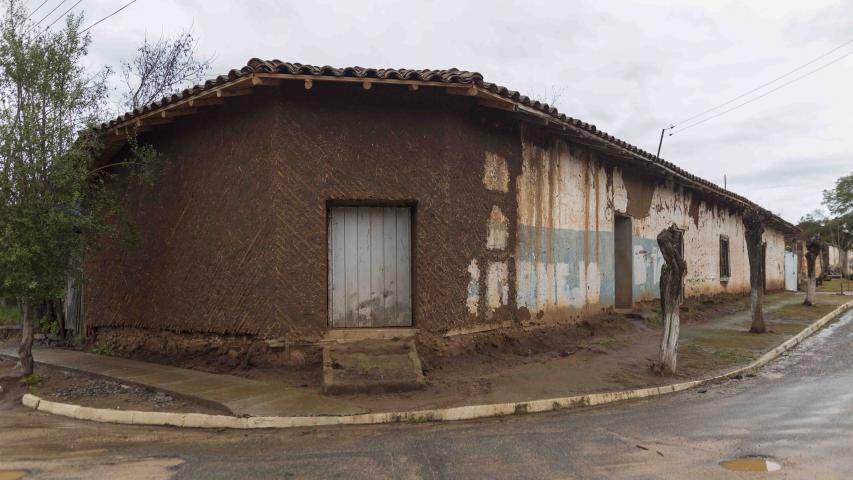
(564, 250)
(702, 232)
(567, 198)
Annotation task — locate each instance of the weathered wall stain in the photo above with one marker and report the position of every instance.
(640, 191)
(693, 211)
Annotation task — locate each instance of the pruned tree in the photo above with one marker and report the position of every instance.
(672, 274)
(754, 221)
(814, 247)
(160, 68)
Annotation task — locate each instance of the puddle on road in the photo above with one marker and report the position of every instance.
(751, 464)
(12, 474)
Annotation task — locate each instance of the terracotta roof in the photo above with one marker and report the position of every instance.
(451, 76)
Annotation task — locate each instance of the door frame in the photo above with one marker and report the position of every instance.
(413, 213)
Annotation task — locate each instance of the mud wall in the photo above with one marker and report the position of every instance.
(204, 257)
(233, 239)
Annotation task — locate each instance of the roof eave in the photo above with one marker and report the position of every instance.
(239, 84)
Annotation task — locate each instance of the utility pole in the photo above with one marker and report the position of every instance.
(660, 143)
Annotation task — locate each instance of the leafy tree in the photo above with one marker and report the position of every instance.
(54, 204)
(839, 200)
(837, 228)
(50, 204)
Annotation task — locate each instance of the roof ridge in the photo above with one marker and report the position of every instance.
(448, 76)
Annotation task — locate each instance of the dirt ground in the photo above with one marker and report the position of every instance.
(606, 352)
(71, 387)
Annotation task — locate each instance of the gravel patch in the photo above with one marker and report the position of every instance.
(104, 388)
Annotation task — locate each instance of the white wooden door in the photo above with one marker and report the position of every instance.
(791, 271)
(370, 258)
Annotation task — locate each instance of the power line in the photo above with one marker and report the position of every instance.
(36, 9)
(810, 62)
(48, 13)
(763, 94)
(62, 16)
(108, 16)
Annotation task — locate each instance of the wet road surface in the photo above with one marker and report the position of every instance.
(797, 412)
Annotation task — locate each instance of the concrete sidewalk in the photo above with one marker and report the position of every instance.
(242, 396)
(716, 341)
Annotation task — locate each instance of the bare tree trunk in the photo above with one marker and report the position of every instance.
(814, 247)
(671, 295)
(754, 223)
(25, 350)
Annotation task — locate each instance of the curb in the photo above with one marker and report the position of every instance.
(469, 412)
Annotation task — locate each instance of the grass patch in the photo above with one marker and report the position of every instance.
(610, 342)
(798, 311)
(740, 339)
(834, 285)
(103, 349)
(653, 319)
(9, 315)
(732, 356)
(33, 380)
(787, 328)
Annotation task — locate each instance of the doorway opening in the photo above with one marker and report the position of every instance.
(623, 262)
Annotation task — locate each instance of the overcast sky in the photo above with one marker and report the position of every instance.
(630, 68)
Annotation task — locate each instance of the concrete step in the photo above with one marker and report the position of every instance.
(346, 335)
(372, 366)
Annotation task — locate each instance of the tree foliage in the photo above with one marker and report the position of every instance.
(46, 192)
(836, 230)
(54, 200)
(839, 200)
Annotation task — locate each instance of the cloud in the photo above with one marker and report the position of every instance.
(628, 67)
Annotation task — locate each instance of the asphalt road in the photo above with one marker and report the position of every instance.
(797, 411)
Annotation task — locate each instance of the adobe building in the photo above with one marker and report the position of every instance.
(298, 200)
